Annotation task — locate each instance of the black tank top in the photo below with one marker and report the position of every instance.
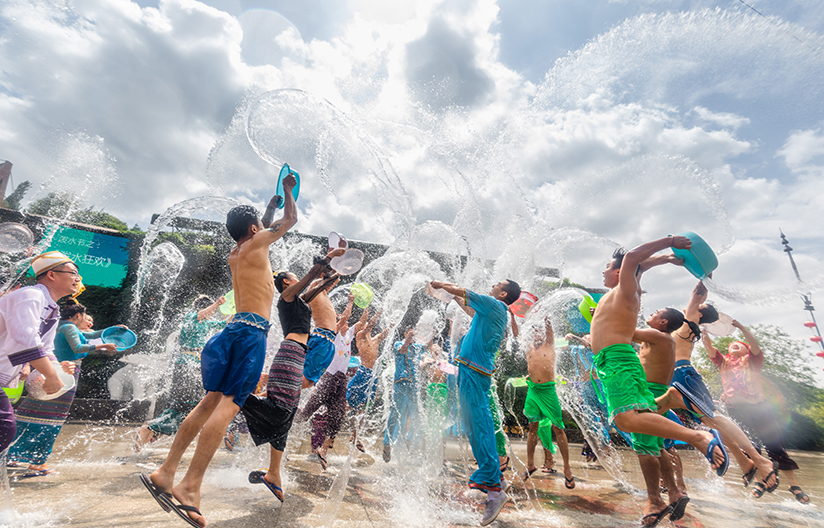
(295, 317)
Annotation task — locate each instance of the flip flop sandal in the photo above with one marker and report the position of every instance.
(156, 493)
(505, 465)
(678, 508)
(656, 517)
(359, 447)
(528, 473)
(322, 460)
(758, 490)
(800, 496)
(774, 471)
(550, 471)
(181, 511)
(749, 476)
(569, 483)
(716, 441)
(230, 442)
(256, 477)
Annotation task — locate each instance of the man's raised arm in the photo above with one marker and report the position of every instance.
(698, 297)
(628, 282)
(292, 291)
(274, 231)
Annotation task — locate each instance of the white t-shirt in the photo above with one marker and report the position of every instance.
(343, 351)
(28, 324)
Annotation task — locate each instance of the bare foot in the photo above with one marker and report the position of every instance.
(162, 481)
(189, 499)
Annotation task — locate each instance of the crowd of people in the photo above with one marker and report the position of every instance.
(219, 385)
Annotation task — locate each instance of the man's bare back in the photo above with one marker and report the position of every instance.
(657, 354)
(540, 357)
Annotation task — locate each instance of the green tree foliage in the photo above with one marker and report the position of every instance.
(13, 200)
(99, 218)
(67, 205)
(54, 204)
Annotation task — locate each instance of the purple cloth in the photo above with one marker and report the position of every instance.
(8, 427)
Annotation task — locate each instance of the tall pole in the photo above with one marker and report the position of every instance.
(808, 304)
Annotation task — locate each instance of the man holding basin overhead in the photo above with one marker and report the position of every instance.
(232, 360)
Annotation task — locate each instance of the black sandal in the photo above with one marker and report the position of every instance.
(758, 490)
(800, 496)
(749, 476)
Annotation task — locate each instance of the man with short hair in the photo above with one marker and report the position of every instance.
(658, 359)
(28, 324)
(631, 404)
(232, 360)
(476, 365)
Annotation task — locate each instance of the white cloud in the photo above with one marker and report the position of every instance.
(664, 123)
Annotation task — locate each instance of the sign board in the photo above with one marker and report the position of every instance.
(103, 259)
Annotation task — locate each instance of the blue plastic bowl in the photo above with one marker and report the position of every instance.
(284, 172)
(122, 338)
(700, 260)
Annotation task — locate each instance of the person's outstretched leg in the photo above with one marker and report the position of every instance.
(531, 444)
(656, 425)
(563, 447)
(163, 477)
(211, 436)
(650, 468)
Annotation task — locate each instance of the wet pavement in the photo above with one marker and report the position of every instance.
(96, 484)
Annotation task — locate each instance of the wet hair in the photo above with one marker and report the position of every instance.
(708, 314)
(618, 257)
(202, 302)
(71, 308)
(675, 320)
(238, 220)
(513, 291)
(279, 278)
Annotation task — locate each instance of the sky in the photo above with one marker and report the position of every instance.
(534, 133)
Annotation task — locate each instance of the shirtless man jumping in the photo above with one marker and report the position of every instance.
(232, 360)
(630, 403)
(697, 400)
(658, 359)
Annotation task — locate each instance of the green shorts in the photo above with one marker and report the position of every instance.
(624, 380)
(542, 406)
(646, 444)
(436, 410)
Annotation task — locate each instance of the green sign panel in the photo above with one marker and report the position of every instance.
(103, 259)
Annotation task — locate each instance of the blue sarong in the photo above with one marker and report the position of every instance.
(232, 360)
(320, 349)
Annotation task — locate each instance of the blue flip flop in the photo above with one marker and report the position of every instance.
(693, 400)
(256, 477)
(716, 441)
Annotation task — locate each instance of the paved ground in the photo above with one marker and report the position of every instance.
(97, 485)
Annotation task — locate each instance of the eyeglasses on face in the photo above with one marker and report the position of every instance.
(76, 274)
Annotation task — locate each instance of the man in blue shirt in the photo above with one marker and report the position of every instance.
(476, 365)
(405, 393)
